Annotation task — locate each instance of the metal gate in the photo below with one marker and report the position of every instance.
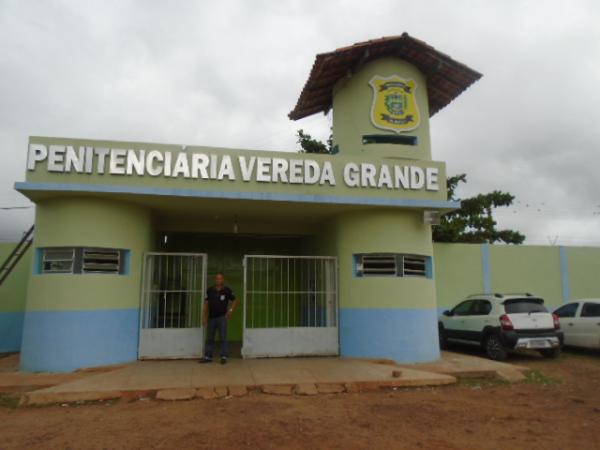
(173, 286)
(290, 306)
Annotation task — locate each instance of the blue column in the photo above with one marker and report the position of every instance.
(564, 273)
(485, 266)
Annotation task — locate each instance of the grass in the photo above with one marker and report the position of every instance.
(531, 377)
(537, 377)
(8, 401)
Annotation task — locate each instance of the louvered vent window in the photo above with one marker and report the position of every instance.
(378, 265)
(96, 260)
(392, 265)
(414, 266)
(80, 260)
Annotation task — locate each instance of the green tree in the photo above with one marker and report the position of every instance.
(474, 221)
(310, 145)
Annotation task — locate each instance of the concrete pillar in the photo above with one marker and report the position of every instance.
(84, 320)
(386, 317)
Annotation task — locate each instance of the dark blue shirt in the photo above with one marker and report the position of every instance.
(218, 301)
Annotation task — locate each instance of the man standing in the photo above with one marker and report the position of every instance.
(216, 313)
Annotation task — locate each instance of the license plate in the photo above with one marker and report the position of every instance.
(539, 343)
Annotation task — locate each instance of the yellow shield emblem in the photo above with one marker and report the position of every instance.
(394, 104)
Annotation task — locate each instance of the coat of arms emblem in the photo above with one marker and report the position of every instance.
(394, 104)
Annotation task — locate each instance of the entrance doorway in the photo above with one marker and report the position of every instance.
(226, 254)
(173, 286)
(291, 306)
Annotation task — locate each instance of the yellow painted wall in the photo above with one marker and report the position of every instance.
(352, 108)
(382, 231)
(458, 272)
(74, 222)
(584, 272)
(527, 269)
(14, 289)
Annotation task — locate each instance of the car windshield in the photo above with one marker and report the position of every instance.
(524, 305)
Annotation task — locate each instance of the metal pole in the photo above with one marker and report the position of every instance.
(288, 292)
(182, 289)
(165, 296)
(321, 290)
(189, 311)
(253, 270)
(315, 295)
(198, 305)
(144, 311)
(336, 297)
(245, 299)
(267, 291)
(280, 293)
(159, 285)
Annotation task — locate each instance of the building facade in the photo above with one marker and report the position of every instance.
(331, 254)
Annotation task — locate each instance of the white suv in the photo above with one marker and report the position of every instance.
(502, 322)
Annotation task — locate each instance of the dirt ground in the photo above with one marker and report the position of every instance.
(557, 408)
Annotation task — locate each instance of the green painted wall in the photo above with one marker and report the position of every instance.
(534, 269)
(225, 254)
(584, 272)
(527, 269)
(13, 292)
(458, 272)
(458, 267)
(352, 108)
(90, 222)
(224, 223)
(381, 231)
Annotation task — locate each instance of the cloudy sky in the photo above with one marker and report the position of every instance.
(227, 73)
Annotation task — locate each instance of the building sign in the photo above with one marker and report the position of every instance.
(394, 104)
(224, 167)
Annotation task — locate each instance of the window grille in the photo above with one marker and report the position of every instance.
(58, 260)
(101, 260)
(378, 265)
(80, 260)
(391, 265)
(414, 266)
(290, 291)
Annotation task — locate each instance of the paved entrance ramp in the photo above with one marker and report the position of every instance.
(467, 366)
(13, 381)
(180, 380)
(188, 379)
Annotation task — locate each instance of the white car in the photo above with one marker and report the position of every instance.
(501, 323)
(581, 322)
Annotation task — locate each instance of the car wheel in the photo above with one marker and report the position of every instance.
(550, 352)
(443, 340)
(494, 348)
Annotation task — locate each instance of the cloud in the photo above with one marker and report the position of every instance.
(227, 73)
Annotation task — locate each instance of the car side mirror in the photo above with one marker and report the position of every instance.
(447, 313)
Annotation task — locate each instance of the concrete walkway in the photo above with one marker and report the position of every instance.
(181, 377)
(186, 379)
(11, 380)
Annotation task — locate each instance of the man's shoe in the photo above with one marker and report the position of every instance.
(223, 360)
(205, 360)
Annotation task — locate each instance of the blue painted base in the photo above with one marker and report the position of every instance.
(62, 341)
(11, 331)
(404, 335)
